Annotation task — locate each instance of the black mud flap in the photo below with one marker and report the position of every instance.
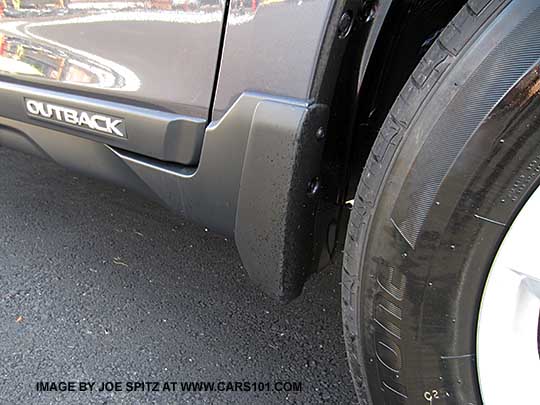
(278, 196)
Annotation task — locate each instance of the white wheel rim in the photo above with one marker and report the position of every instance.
(507, 336)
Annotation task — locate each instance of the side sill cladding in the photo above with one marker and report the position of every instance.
(249, 181)
(209, 194)
(259, 166)
(159, 134)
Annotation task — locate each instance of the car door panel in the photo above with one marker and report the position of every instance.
(259, 56)
(157, 53)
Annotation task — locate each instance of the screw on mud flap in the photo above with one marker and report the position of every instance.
(369, 14)
(345, 24)
(320, 134)
(313, 186)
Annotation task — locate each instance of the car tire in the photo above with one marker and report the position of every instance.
(455, 160)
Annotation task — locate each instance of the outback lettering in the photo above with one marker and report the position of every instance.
(95, 122)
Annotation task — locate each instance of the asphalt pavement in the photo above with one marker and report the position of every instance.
(99, 284)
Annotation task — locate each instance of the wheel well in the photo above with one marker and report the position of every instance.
(409, 29)
(386, 43)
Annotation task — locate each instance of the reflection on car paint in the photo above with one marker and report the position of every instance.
(158, 51)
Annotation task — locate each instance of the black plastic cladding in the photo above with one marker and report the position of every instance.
(255, 164)
(207, 193)
(161, 135)
(276, 209)
(231, 168)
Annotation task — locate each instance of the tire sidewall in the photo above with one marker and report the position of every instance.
(416, 306)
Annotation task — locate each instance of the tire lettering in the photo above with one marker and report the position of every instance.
(387, 317)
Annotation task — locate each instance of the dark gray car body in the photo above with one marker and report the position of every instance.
(164, 53)
(223, 105)
(200, 87)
